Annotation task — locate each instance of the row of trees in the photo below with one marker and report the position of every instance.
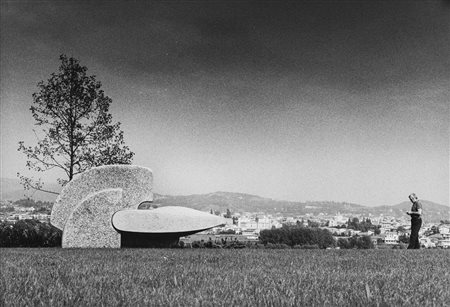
(293, 235)
(29, 233)
(230, 244)
(364, 225)
(309, 237)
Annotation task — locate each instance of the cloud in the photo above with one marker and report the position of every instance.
(360, 47)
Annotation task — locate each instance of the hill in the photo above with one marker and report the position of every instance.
(431, 211)
(239, 202)
(11, 189)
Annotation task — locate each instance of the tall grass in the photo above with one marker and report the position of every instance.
(168, 277)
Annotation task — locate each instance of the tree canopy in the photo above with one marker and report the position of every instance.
(29, 233)
(296, 235)
(77, 131)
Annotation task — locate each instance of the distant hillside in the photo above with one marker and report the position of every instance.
(238, 202)
(11, 189)
(431, 210)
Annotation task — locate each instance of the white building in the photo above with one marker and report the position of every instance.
(337, 220)
(387, 226)
(444, 229)
(391, 238)
(444, 241)
(332, 223)
(258, 223)
(426, 242)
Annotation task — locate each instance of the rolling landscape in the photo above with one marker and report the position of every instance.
(240, 202)
(11, 189)
(296, 128)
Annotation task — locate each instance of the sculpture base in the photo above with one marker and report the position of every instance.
(148, 240)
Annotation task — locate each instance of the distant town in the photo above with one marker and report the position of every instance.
(383, 230)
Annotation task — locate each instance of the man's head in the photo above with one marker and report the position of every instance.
(413, 197)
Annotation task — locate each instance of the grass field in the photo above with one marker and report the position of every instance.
(210, 277)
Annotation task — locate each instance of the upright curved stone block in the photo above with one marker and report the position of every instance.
(89, 224)
(135, 182)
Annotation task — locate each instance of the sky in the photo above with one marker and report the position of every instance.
(344, 101)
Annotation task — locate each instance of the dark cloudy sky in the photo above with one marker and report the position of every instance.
(308, 100)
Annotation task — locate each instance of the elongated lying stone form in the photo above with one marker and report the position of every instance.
(165, 220)
(89, 224)
(135, 181)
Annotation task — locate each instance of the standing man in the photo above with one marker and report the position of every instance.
(416, 221)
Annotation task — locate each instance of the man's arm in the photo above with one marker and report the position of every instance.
(419, 212)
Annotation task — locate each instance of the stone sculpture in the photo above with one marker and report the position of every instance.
(162, 226)
(135, 181)
(89, 225)
(98, 208)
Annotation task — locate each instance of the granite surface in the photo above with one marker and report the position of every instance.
(135, 181)
(170, 219)
(89, 224)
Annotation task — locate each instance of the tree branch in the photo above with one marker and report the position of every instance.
(42, 190)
